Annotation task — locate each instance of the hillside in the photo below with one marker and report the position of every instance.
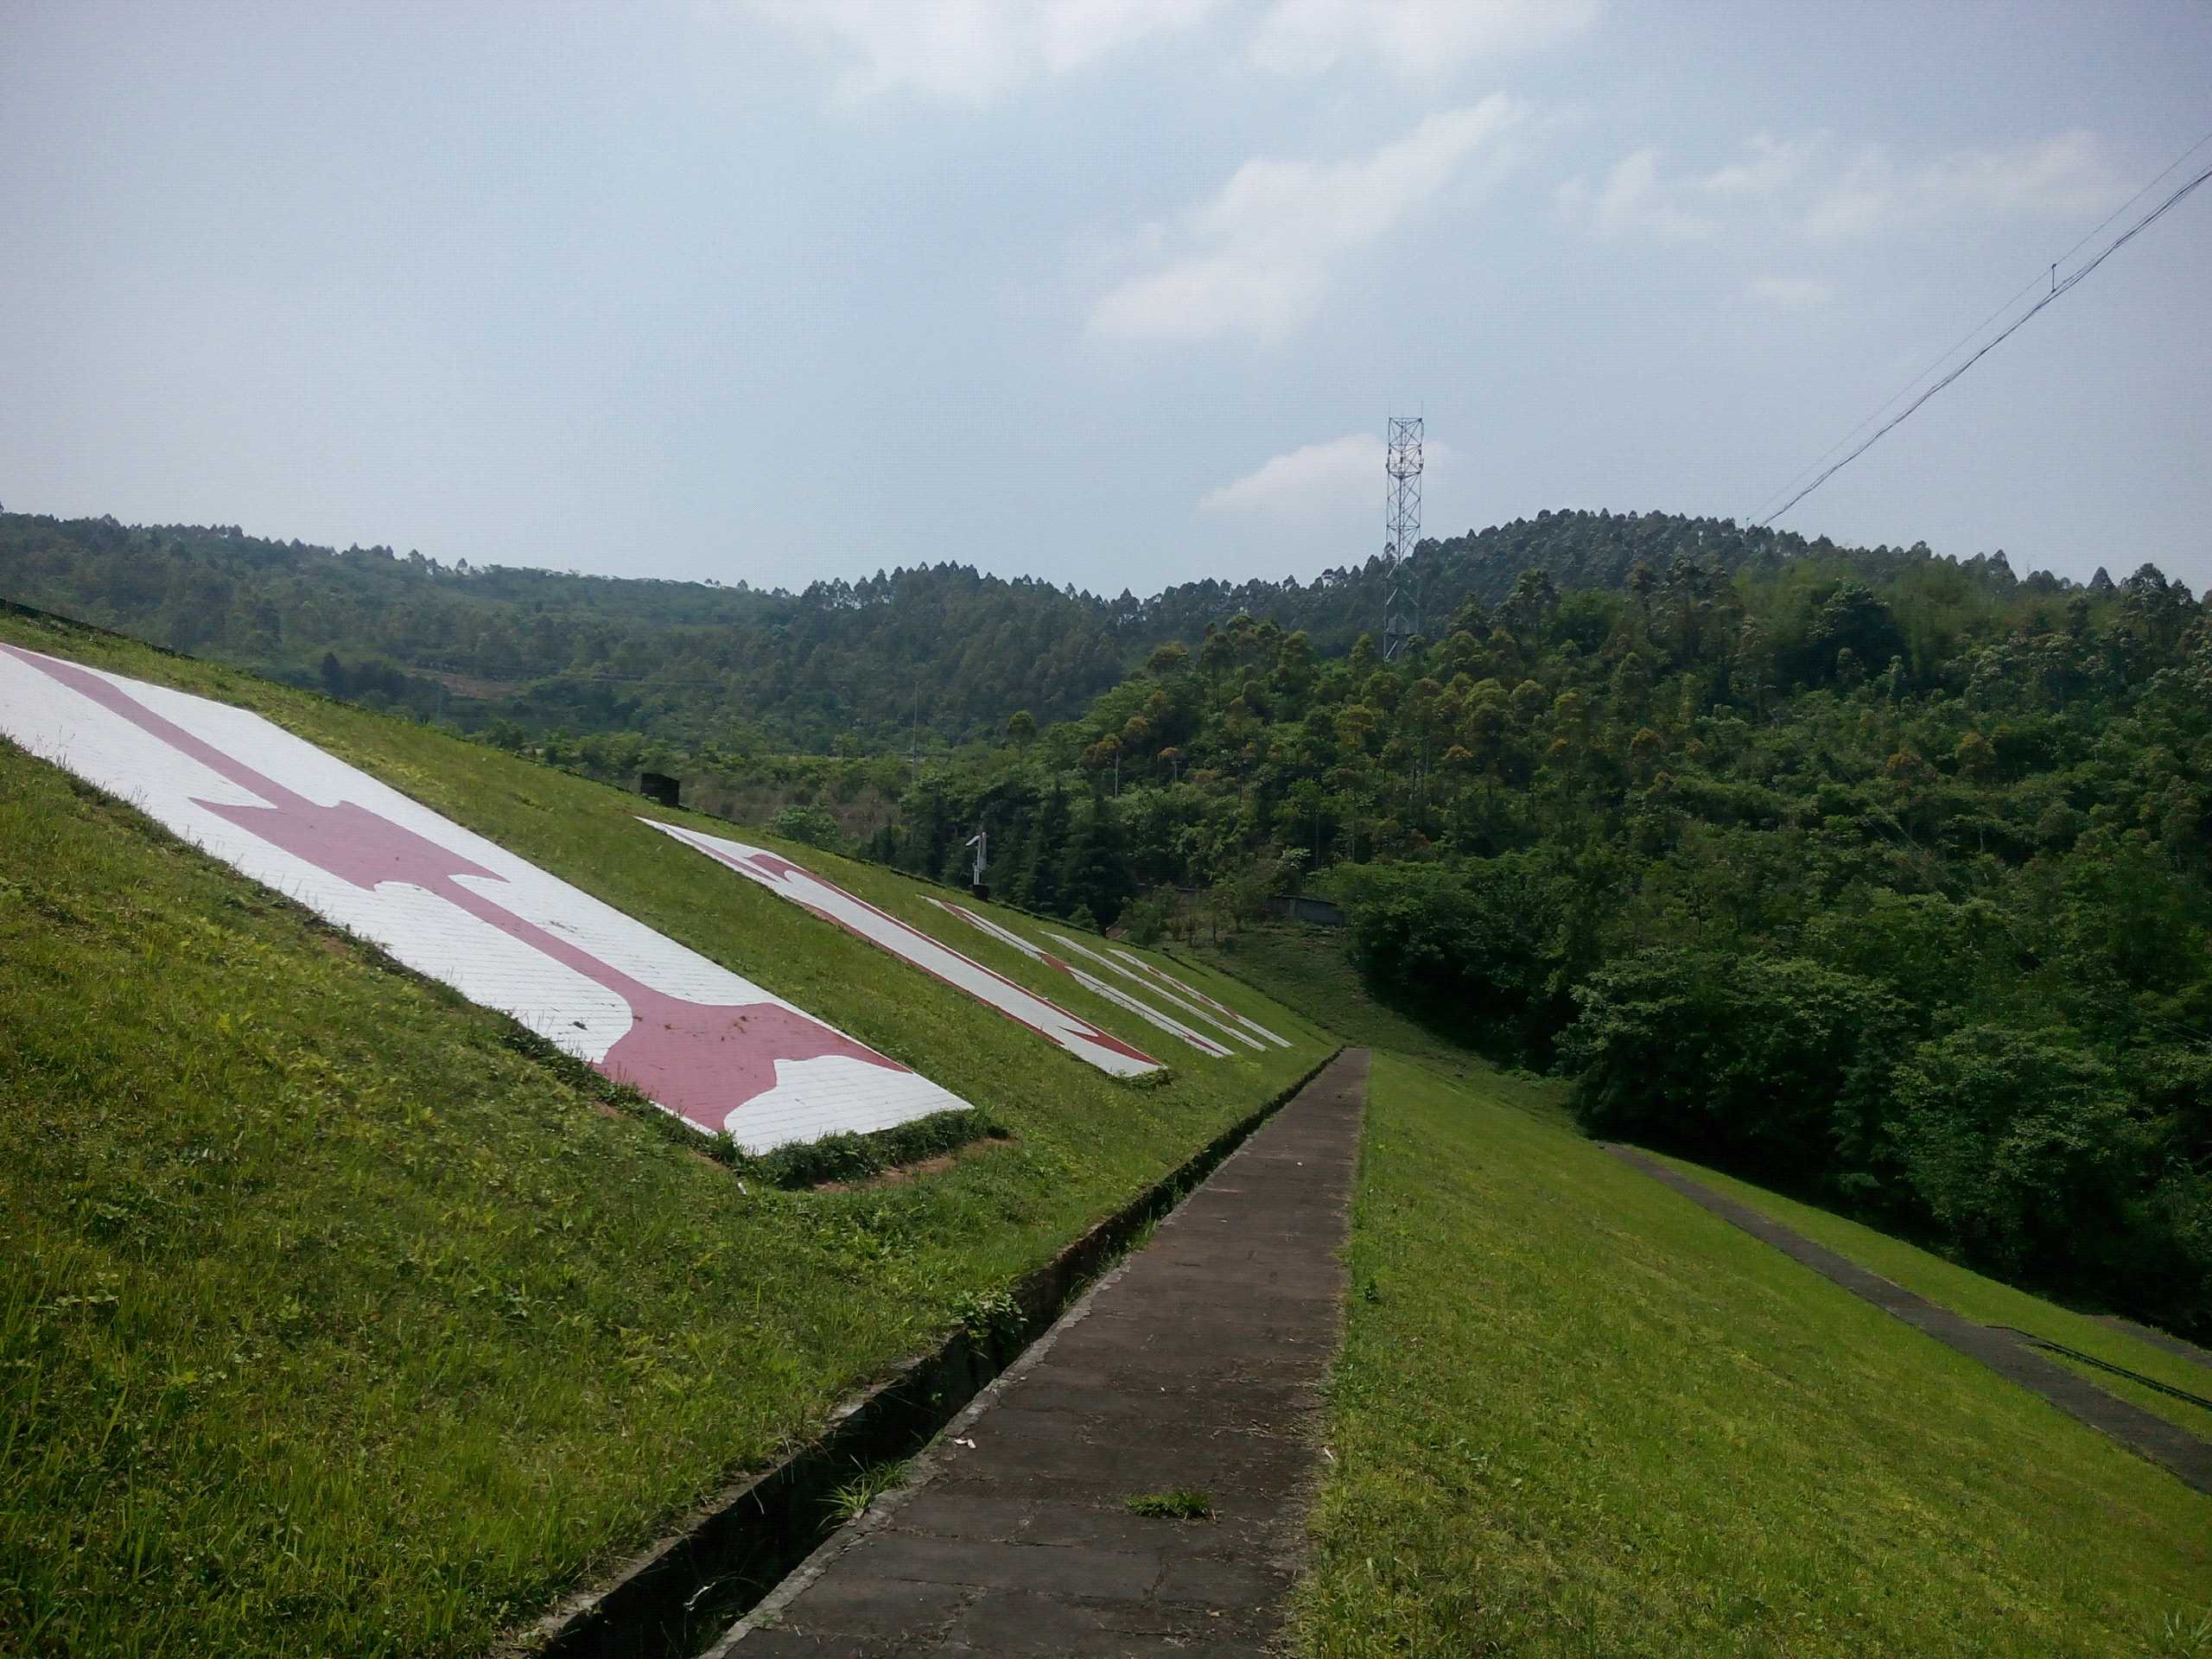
(339, 1316)
(704, 666)
(1894, 892)
(1576, 1415)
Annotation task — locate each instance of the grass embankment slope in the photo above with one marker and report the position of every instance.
(1988, 1301)
(1306, 968)
(331, 1321)
(1577, 1415)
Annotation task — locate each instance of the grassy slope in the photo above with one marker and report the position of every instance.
(1306, 968)
(1965, 1291)
(1576, 1415)
(329, 1322)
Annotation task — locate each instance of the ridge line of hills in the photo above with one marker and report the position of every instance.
(839, 665)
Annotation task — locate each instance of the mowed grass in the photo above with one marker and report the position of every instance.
(332, 1322)
(1576, 1415)
(1990, 1302)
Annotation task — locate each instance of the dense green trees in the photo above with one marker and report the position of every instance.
(1889, 879)
(841, 667)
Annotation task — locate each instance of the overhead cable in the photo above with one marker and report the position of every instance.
(2058, 286)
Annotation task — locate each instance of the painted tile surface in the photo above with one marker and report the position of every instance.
(1147, 973)
(715, 1049)
(1091, 982)
(855, 915)
(1219, 1018)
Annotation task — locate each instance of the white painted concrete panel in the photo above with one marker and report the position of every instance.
(707, 1045)
(1222, 1021)
(1080, 1037)
(1156, 975)
(1091, 982)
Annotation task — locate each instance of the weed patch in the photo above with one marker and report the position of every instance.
(1178, 1504)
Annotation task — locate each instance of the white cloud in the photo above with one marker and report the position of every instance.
(1769, 166)
(1789, 293)
(1812, 187)
(1256, 258)
(2064, 176)
(972, 51)
(1421, 40)
(1634, 200)
(969, 51)
(1333, 480)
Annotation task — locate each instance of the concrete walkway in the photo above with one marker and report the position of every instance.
(2177, 1346)
(2006, 1352)
(1197, 1364)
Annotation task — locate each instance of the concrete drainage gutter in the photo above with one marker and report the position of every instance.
(674, 1598)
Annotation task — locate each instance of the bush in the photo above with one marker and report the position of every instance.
(1146, 919)
(2022, 1146)
(1774, 1062)
(1472, 949)
(811, 825)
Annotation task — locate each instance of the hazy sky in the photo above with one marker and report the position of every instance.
(1116, 292)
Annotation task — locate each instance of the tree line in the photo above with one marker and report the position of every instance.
(1886, 883)
(941, 654)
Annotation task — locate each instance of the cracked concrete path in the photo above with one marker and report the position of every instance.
(1197, 1364)
(2005, 1352)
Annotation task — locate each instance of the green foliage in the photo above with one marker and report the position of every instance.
(1470, 949)
(1977, 800)
(1777, 1062)
(1762, 836)
(841, 666)
(811, 825)
(2024, 1146)
(1178, 1504)
(850, 1501)
(1148, 919)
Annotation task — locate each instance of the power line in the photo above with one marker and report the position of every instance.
(2006, 304)
(2058, 287)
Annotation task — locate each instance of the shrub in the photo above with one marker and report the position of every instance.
(2019, 1145)
(811, 825)
(1774, 1061)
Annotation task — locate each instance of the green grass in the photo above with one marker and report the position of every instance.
(1578, 1415)
(1178, 1504)
(851, 1500)
(333, 1320)
(1965, 1291)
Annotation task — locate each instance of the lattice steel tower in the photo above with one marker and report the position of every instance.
(1401, 582)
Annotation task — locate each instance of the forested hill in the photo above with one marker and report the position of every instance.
(1898, 890)
(842, 664)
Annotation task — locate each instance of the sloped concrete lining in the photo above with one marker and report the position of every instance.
(1197, 1364)
(2144, 1433)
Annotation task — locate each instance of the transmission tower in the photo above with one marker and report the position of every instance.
(1401, 582)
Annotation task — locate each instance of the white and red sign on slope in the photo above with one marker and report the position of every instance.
(855, 915)
(1091, 982)
(715, 1050)
(1187, 997)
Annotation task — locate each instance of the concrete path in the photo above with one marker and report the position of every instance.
(1197, 1364)
(2004, 1351)
(2178, 1346)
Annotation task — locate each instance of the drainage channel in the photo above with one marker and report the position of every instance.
(675, 1597)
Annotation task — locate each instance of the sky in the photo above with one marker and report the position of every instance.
(1117, 293)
